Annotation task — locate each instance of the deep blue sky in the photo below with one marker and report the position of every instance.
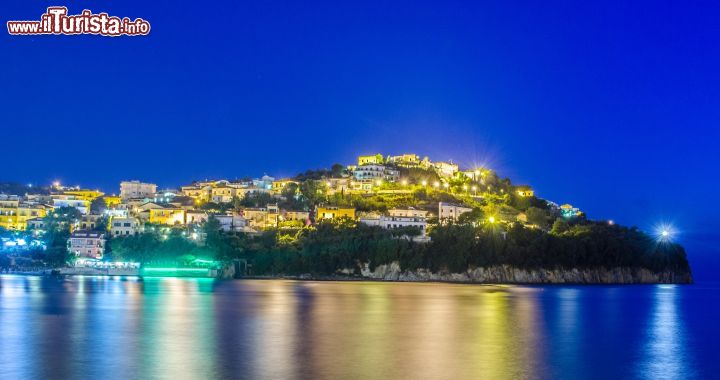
(613, 107)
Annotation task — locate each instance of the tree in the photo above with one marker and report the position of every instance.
(337, 171)
(538, 217)
(559, 227)
(313, 191)
(98, 206)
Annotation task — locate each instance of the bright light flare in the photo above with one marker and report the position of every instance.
(664, 233)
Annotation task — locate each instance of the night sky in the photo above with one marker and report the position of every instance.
(612, 107)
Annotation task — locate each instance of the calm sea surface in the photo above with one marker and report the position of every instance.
(96, 327)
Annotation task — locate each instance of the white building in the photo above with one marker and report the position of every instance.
(62, 200)
(137, 189)
(195, 217)
(393, 222)
(446, 169)
(230, 223)
(124, 227)
(450, 211)
(408, 212)
(87, 244)
(369, 171)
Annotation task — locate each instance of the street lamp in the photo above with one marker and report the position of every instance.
(424, 183)
(491, 219)
(436, 184)
(404, 182)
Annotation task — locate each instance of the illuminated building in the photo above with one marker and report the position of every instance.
(262, 217)
(14, 214)
(450, 211)
(169, 215)
(112, 200)
(88, 222)
(89, 244)
(230, 223)
(375, 171)
(446, 169)
(568, 211)
(280, 184)
(222, 193)
(199, 193)
(137, 189)
(65, 200)
(368, 160)
(525, 191)
(407, 160)
(408, 212)
(84, 194)
(124, 226)
(195, 217)
(302, 216)
(331, 212)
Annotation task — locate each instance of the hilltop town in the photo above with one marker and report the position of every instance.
(413, 206)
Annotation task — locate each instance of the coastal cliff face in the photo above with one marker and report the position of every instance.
(509, 275)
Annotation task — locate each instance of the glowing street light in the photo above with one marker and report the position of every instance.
(424, 183)
(436, 184)
(491, 219)
(404, 182)
(446, 185)
(664, 233)
(465, 187)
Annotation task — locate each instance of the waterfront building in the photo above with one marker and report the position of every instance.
(90, 244)
(15, 213)
(137, 189)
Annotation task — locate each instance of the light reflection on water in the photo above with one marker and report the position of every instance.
(102, 327)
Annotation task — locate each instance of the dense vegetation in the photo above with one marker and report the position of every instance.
(455, 248)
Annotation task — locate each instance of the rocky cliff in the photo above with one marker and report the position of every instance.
(509, 275)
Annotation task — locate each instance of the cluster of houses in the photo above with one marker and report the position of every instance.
(140, 203)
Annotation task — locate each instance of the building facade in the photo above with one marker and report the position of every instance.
(450, 211)
(90, 244)
(137, 189)
(124, 226)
